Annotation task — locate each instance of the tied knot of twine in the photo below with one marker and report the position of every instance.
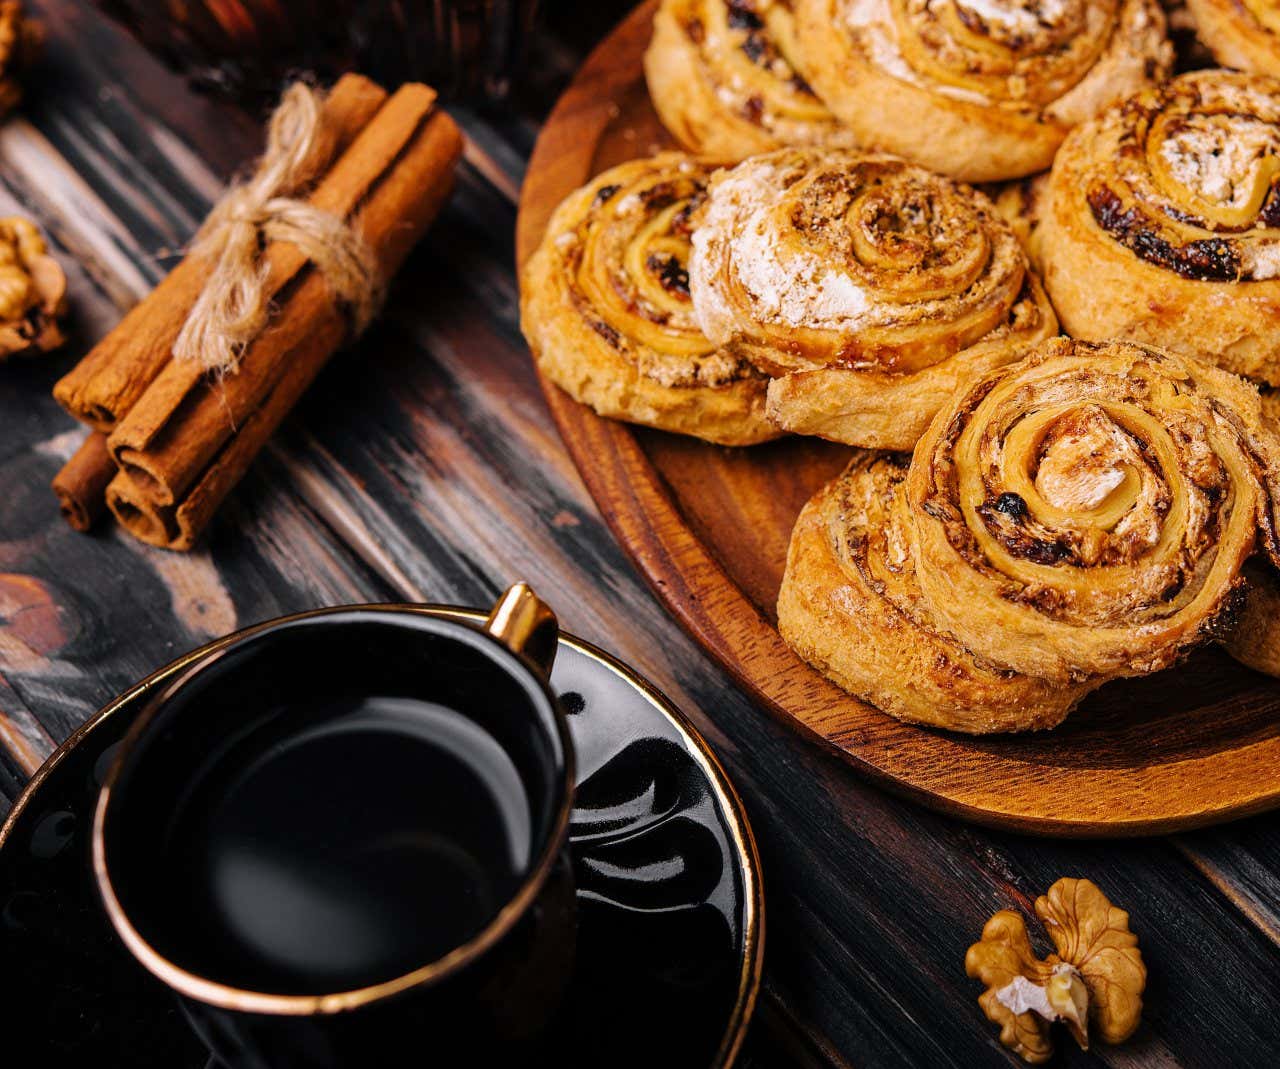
(233, 307)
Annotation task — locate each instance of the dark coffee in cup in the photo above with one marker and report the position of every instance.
(340, 839)
(330, 848)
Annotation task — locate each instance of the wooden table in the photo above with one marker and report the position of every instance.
(424, 466)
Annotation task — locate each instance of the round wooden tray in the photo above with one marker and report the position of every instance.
(709, 527)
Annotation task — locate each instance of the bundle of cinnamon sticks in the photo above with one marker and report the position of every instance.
(169, 440)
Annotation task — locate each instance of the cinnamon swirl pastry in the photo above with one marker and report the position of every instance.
(1244, 34)
(605, 308)
(982, 90)
(850, 605)
(867, 287)
(1163, 222)
(722, 78)
(1079, 516)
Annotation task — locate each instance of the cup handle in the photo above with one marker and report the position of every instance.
(525, 623)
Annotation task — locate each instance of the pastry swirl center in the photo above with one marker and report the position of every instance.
(1094, 496)
(1223, 164)
(919, 242)
(1022, 53)
(1188, 178)
(1087, 463)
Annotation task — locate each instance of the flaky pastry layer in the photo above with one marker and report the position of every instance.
(605, 308)
(1162, 222)
(983, 90)
(722, 78)
(851, 607)
(1244, 34)
(868, 288)
(1080, 516)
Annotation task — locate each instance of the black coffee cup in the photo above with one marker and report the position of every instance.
(341, 838)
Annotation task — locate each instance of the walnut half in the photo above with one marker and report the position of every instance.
(1094, 982)
(33, 289)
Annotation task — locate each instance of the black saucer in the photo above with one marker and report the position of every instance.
(670, 910)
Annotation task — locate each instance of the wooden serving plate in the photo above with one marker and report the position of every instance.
(709, 526)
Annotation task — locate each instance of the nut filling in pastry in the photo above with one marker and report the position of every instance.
(1080, 516)
(723, 79)
(607, 313)
(1163, 222)
(984, 90)
(1244, 34)
(867, 287)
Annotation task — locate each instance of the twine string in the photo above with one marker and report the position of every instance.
(233, 308)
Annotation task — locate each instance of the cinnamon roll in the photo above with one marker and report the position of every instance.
(850, 605)
(1163, 222)
(866, 287)
(1244, 34)
(982, 90)
(1082, 515)
(722, 78)
(605, 308)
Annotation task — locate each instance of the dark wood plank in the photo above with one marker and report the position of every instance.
(872, 902)
(424, 464)
(106, 609)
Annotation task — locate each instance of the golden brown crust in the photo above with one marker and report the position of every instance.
(1163, 222)
(833, 611)
(1021, 204)
(1244, 34)
(981, 91)
(867, 287)
(884, 410)
(1088, 511)
(606, 311)
(721, 78)
(1080, 516)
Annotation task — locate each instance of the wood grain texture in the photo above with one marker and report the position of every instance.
(709, 528)
(424, 464)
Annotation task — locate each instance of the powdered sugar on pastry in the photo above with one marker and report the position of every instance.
(1121, 68)
(1024, 16)
(1260, 262)
(739, 239)
(792, 286)
(871, 23)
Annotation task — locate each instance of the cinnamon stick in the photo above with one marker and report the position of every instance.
(102, 388)
(180, 422)
(188, 440)
(81, 484)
